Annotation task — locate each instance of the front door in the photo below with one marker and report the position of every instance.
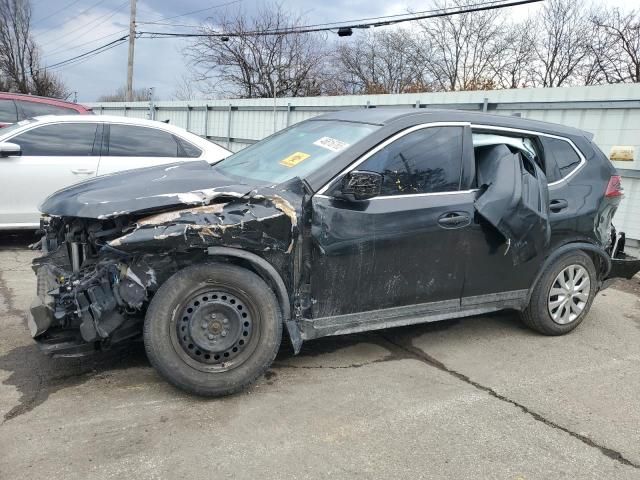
(405, 246)
(54, 156)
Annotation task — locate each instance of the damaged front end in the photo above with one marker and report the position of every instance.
(89, 297)
(98, 273)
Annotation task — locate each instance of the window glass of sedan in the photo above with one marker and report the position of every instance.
(59, 139)
(428, 160)
(34, 109)
(136, 141)
(8, 112)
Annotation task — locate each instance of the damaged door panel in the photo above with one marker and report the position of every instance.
(514, 198)
(348, 222)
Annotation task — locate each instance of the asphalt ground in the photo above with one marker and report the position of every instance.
(480, 397)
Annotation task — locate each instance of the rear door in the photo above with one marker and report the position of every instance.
(135, 146)
(406, 246)
(54, 156)
(511, 234)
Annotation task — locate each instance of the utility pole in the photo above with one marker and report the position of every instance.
(132, 41)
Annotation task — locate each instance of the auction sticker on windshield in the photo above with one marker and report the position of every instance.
(294, 159)
(332, 144)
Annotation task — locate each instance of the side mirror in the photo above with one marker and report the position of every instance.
(8, 149)
(360, 185)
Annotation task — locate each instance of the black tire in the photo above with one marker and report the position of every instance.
(537, 315)
(177, 347)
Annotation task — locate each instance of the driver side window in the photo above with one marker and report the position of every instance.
(428, 160)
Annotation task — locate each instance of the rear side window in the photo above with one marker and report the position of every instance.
(425, 161)
(61, 139)
(188, 149)
(134, 141)
(8, 112)
(560, 158)
(34, 109)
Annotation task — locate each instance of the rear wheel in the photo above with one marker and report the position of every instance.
(213, 329)
(563, 295)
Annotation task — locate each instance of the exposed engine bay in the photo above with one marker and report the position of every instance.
(91, 295)
(97, 275)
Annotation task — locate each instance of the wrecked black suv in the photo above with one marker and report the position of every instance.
(348, 222)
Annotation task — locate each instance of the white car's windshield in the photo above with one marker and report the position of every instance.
(296, 152)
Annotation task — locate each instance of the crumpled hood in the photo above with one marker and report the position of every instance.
(143, 190)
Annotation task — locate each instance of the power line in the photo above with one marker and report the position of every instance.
(58, 11)
(95, 51)
(61, 49)
(193, 12)
(92, 24)
(295, 30)
(347, 25)
(89, 57)
(55, 13)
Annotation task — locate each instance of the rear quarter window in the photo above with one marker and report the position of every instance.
(560, 158)
(189, 150)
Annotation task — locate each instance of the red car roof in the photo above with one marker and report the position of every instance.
(49, 101)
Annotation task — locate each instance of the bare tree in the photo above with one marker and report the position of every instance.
(380, 62)
(563, 35)
(459, 51)
(615, 53)
(20, 63)
(120, 95)
(185, 89)
(512, 67)
(255, 60)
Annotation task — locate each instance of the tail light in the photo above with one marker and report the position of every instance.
(614, 187)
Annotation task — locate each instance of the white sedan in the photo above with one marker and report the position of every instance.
(44, 154)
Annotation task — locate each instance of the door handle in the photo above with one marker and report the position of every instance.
(83, 171)
(558, 205)
(454, 220)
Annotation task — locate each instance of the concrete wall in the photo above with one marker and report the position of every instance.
(610, 112)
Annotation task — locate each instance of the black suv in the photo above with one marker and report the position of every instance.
(348, 222)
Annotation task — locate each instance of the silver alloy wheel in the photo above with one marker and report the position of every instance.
(569, 294)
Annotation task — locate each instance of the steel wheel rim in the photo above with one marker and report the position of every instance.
(247, 335)
(569, 294)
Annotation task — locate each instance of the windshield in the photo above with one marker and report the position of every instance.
(295, 152)
(7, 131)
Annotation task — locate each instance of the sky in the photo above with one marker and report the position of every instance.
(66, 28)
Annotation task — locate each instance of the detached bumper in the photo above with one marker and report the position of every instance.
(41, 312)
(39, 317)
(624, 266)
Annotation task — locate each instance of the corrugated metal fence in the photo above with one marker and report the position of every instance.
(610, 112)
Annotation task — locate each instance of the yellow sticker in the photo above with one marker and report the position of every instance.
(294, 159)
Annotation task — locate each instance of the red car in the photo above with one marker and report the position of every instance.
(17, 106)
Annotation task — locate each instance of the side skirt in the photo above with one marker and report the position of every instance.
(411, 315)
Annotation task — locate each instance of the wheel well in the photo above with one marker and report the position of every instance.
(597, 255)
(598, 262)
(260, 267)
(241, 262)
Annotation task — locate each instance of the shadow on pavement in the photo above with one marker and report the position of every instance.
(36, 376)
(17, 239)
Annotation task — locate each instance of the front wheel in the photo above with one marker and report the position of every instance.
(563, 295)
(213, 329)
